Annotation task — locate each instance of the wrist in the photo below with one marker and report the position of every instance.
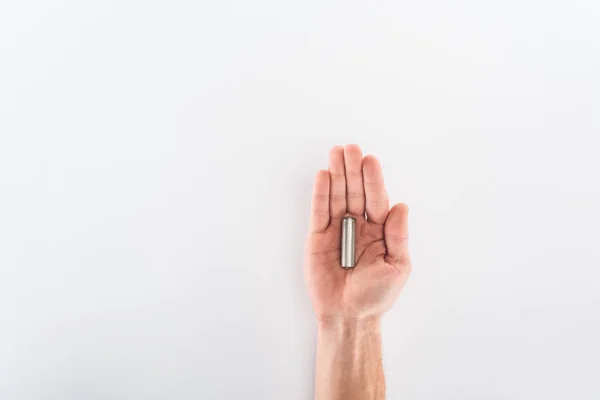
(348, 325)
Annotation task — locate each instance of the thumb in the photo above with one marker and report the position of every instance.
(396, 232)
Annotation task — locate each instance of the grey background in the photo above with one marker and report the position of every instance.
(138, 137)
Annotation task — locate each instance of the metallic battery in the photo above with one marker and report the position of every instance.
(348, 242)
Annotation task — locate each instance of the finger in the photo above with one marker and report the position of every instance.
(396, 232)
(319, 213)
(377, 203)
(337, 191)
(355, 190)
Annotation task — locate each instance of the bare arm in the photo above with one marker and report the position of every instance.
(349, 303)
(349, 360)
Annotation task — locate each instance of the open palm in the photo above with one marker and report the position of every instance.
(353, 186)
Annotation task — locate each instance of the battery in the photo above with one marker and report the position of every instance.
(348, 255)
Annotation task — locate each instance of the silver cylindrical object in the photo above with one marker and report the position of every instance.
(348, 242)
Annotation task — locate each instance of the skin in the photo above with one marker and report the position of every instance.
(349, 303)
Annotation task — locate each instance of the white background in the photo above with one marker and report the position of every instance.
(156, 162)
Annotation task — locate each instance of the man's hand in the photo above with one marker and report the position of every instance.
(350, 302)
(352, 186)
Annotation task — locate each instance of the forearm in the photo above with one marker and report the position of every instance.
(349, 360)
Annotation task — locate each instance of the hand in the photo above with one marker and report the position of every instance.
(352, 186)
